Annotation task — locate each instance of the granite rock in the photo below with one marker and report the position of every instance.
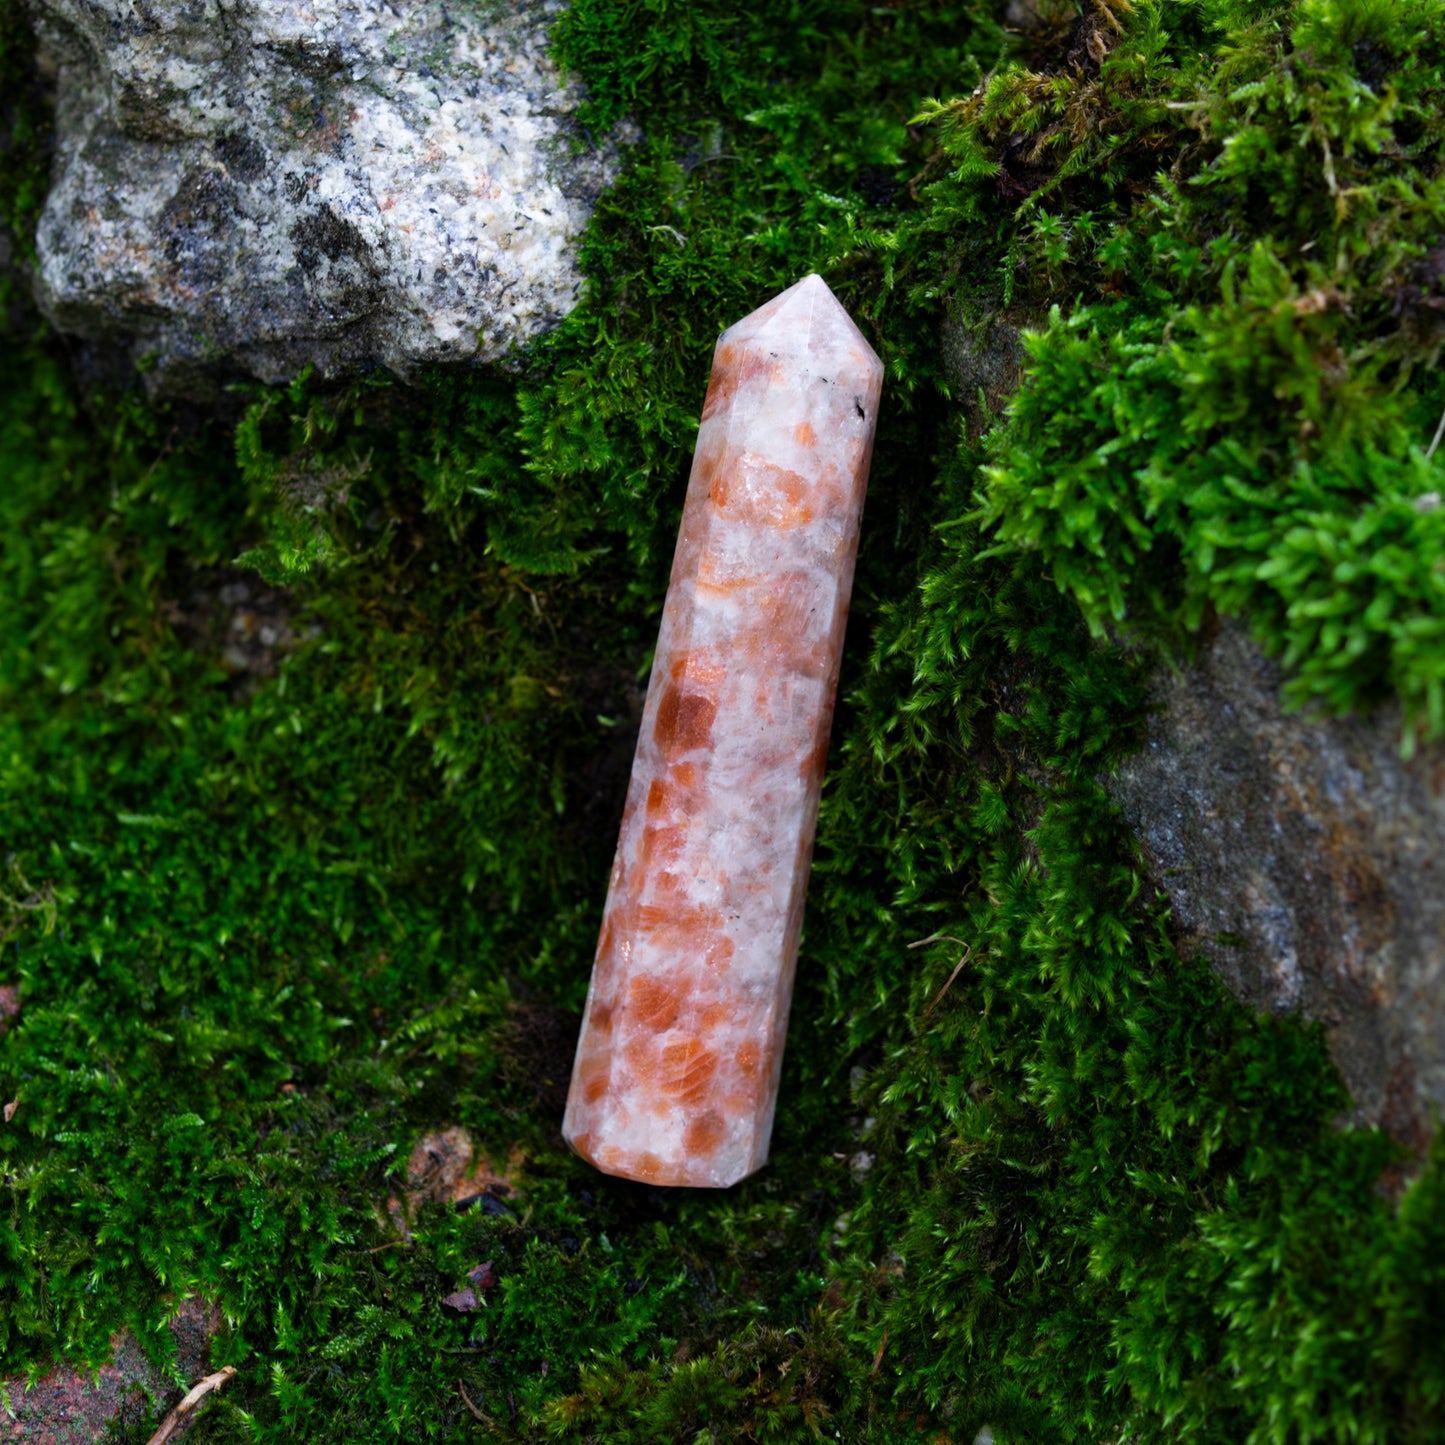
(251, 187)
(1304, 858)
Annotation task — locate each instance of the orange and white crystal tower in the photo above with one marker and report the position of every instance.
(682, 1043)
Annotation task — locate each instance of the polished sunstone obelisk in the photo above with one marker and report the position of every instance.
(677, 1068)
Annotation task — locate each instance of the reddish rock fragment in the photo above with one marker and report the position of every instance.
(69, 1406)
(465, 1301)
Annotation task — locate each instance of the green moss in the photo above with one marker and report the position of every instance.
(1234, 404)
(271, 927)
(24, 130)
(1118, 1203)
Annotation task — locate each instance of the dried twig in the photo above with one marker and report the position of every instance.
(186, 1408)
(1330, 180)
(480, 1414)
(1435, 441)
(882, 1345)
(957, 968)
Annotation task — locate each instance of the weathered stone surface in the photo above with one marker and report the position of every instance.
(983, 357)
(1305, 860)
(255, 186)
(70, 1407)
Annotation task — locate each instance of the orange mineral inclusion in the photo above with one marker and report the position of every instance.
(677, 1068)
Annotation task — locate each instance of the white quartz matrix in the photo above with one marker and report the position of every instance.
(677, 1068)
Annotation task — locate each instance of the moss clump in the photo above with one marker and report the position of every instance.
(24, 129)
(306, 899)
(1234, 405)
(1113, 1202)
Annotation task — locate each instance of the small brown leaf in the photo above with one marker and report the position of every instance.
(482, 1276)
(464, 1301)
(10, 1109)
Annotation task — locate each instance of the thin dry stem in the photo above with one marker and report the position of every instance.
(1435, 440)
(957, 968)
(187, 1406)
(480, 1414)
(878, 1357)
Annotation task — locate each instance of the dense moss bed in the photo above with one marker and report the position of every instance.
(316, 711)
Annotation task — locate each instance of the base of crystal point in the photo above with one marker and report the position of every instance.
(677, 1068)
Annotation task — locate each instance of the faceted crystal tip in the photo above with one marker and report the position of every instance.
(807, 317)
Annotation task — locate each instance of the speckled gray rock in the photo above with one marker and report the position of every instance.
(256, 186)
(1305, 860)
